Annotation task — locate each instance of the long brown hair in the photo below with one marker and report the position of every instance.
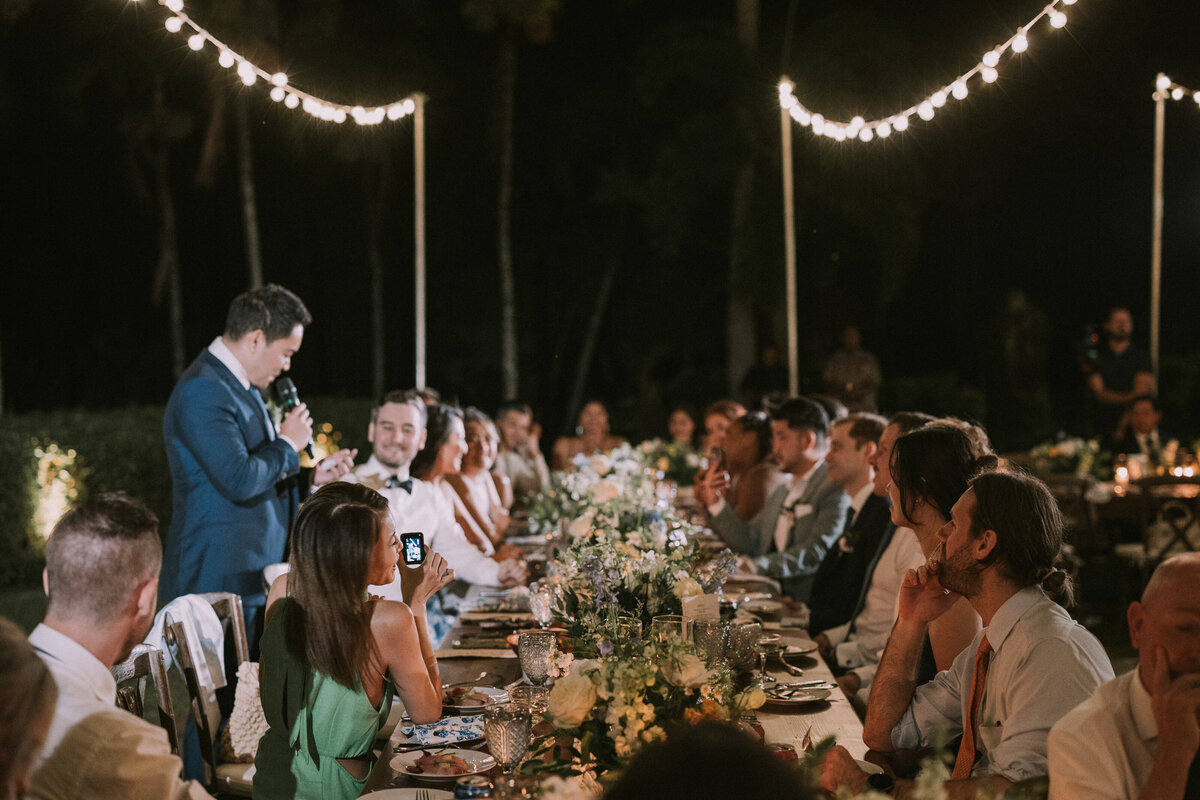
(329, 622)
(27, 691)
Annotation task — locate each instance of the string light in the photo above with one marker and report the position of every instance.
(281, 91)
(882, 128)
(1165, 87)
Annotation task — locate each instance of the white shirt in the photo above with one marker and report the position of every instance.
(787, 514)
(861, 649)
(222, 353)
(857, 500)
(478, 489)
(1043, 664)
(426, 510)
(1105, 747)
(85, 686)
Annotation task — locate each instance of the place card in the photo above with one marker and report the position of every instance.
(701, 607)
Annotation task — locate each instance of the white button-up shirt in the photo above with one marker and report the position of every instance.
(1043, 665)
(85, 686)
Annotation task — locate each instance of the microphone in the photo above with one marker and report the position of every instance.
(289, 398)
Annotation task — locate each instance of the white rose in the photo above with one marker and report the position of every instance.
(579, 527)
(600, 464)
(571, 699)
(687, 587)
(688, 672)
(604, 491)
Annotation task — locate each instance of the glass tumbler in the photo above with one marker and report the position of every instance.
(536, 650)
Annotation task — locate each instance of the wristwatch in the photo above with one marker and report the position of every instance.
(881, 782)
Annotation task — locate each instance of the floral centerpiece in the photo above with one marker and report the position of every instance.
(674, 461)
(1072, 456)
(596, 479)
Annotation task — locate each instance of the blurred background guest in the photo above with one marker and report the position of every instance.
(852, 374)
(591, 436)
(519, 457)
(681, 427)
(716, 422)
(484, 497)
(749, 473)
(1142, 434)
(834, 407)
(27, 698)
(1120, 372)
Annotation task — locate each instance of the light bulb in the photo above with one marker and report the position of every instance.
(395, 112)
(1020, 43)
(787, 101)
(196, 41)
(785, 87)
(925, 111)
(818, 125)
(884, 130)
(277, 94)
(866, 135)
(991, 58)
(938, 99)
(246, 73)
(989, 75)
(1057, 19)
(409, 106)
(339, 116)
(175, 6)
(959, 90)
(173, 24)
(1177, 93)
(901, 123)
(857, 122)
(1196, 97)
(291, 101)
(279, 79)
(225, 59)
(839, 134)
(1068, 2)
(1163, 83)
(803, 117)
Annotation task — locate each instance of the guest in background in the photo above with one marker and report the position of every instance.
(1142, 434)
(681, 427)
(332, 655)
(749, 475)
(852, 374)
(1121, 372)
(519, 458)
(591, 436)
(481, 494)
(1138, 735)
(716, 422)
(102, 563)
(28, 695)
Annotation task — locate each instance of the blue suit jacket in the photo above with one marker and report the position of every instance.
(230, 489)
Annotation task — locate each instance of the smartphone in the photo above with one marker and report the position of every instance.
(413, 545)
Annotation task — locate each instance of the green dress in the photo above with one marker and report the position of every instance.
(314, 720)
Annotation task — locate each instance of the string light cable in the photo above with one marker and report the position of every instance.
(281, 91)
(883, 127)
(1164, 87)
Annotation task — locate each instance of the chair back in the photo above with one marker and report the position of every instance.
(229, 610)
(1170, 509)
(144, 668)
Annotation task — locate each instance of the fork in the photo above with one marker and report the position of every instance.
(422, 794)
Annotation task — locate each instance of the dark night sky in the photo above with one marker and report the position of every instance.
(627, 137)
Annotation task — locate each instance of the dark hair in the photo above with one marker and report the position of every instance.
(510, 406)
(729, 409)
(428, 395)
(272, 309)
(864, 427)
(473, 414)
(328, 624)
(758, 423)
(1144, 398)
(1113, 310)
(402, 397)
(708, 761)
(439, 429)
(27, 691)
(1029, 531)
(981, 445)
(935, 463)
(834, 408)
(801, 413)
(98, 554)
(910, 420)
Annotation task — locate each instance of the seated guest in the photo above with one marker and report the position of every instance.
(835, 408)
(709, 761)
(1138, 736)
(1142, 435)
(519, 458)
(102, 563)
(480, 494)
(27, 698)
(590, 437)
(681, 427)
(397, 433)
(799, 522)
(853, 441)
(748, 475)
(717, 418)
(332, 655)
(1026, 669)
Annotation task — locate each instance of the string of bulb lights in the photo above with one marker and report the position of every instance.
(957, 89)
(281, 90)
(1176, 91)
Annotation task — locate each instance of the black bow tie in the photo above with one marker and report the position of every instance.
(395, 483)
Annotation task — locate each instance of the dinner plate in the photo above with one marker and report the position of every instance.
(762, 606)
(410, 793)
(495, 696)
(477, 763)
(800, 647)
(799, 697)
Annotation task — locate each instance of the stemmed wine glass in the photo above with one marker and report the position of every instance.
(768, 644)
(541, 604)
(536, 651)
(507, 727)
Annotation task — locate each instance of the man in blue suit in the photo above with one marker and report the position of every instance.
(236, 480)
(789, 537)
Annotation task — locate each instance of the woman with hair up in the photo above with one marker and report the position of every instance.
(931, 467)
(332, 656)
(749, 473)
(28, 695)
(592, 435)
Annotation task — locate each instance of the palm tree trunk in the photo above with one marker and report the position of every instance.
(376, 211)
(246, 178)
(508, 299)
(593, 329)
(740, 339)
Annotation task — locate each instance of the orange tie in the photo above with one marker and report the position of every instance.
(966, 750)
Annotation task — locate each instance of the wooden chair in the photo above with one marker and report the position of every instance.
(145, 666)
(1168, 513)
(220, 777)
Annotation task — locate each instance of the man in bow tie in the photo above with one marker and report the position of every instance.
(397, 433)
(236, 481)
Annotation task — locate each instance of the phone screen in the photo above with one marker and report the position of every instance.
(414, 548)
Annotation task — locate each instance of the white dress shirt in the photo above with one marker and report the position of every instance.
(480, 491)
(858, 500)
(427, 510)
(1043, 664)
(1105, 747)
(861, 648)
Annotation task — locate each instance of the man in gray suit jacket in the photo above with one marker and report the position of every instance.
(799, 522)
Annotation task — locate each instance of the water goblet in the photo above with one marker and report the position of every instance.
(768, 644)
(743, 644)
(629, 628)
(711, 637)
(534, 698)
(541, 604)
(663, 626)
(536, 650)
(506, 727)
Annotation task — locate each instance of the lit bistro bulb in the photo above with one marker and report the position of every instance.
(1177, 93)
(884, 130)
(395, 111)
(1057, 19)
(785, 88)
(991, 58)
(901, 123)
(1020, 42)
(291, 101)
(277, 94)
(1068, 2)
(279, 79)
(339, 116)
(989, 74)
(226, 59)
(959, 90)
(839, 133)
(866, 135)
(1196, 97)
(409, 106)
(925, 111)
(1163, 83)
(173, 24)
(938, 99)
(246, 73)
(175, 6)
(196, 41)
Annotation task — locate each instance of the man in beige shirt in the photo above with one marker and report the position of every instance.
(102, 565)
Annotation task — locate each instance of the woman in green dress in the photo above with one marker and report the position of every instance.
(332, 656)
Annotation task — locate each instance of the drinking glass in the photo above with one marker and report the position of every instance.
(629, 628)
(711, 637)
(541, 604)
(534, 698)
(536, 650)
(506, 727)
(664, 625)
(743, 644)
(768, 644)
